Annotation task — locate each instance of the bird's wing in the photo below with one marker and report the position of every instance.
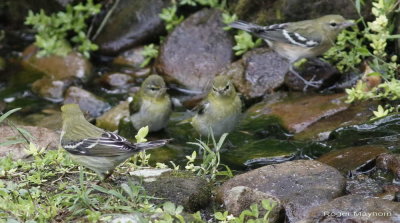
(290, 33)
(109, 144)
(135, 104)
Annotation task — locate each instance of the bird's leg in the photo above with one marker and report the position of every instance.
(307, 83)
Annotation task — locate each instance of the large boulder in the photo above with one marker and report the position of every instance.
(299, 185)
(196, 50)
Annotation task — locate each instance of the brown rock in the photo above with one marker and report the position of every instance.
(74, 65)
(196, 50)
(132, 57)
(110, 119)
(42, 137)
(300, 111)
(389, 162)
(351, 158)
(49, 89)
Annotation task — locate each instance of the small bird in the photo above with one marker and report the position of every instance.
(152, 105)
(297, 40)
(94, 148)
(220, 111)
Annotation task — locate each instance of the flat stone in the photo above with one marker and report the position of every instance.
(349, 159)
(305, 109)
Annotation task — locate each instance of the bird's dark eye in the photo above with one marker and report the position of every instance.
(333, 24)
(214, 89)
(154, 88)
(226, 88)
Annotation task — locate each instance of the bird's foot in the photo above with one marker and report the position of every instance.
(311, 83)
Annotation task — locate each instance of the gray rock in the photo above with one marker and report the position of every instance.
(88, 102)
(42, 137)
(355, 208)
(132, 57)
(259, 71)
(181, 188)
(132, 23)
(196, 50)
(299, 185)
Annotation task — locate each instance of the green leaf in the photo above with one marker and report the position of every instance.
(5, 115)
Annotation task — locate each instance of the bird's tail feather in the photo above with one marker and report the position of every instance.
(246, 26)
(152, 144)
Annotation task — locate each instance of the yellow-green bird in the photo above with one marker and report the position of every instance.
(93, 147)
(220, 111)
(152, 105)
(302, 39)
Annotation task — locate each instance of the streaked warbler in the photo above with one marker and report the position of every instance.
(152, 105)
(93, 147)
(220, 111)
(297, 40)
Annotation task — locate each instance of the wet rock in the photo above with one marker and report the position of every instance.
(269, 12)
(260, 71)
(116, 80)
(383, 131)
(181, 188)
(307, 109)
(365, 185)
(110, 119)
(132, 58)
(357, 113)
(355, 208)
(299, 185)
(88, 102)
(196, 50)
(136, 22)
(241, 198)
(389, 162)
(352, 158)
(42, 137)
(74, 65)
(320, 71)
(49, 89)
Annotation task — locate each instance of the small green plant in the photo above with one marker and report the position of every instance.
(251, 215)
(244, 43)
(211, 159)
(54, 31)
(149, 52)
